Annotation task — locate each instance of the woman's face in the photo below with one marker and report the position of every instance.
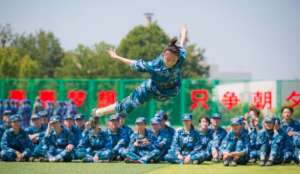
(79, 122)
(269, 126)
(121, 121)
(187, 123)
(236, 128)
(68, 123)
(55, 125)
(254, 120)
(95, 127)
(286, 114)
(203, 124)
(141, 126)
(15, 125)
(215, 122)
(45, 120)
(170, 59)
(113, 125)
(37, 122)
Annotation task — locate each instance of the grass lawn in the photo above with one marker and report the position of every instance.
(122, 168)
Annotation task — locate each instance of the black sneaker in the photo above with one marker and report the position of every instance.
(226, 162)
(44, 160)
(269, 163)
(196, 162)
(31, 159)
(262, 163)
(233, 163)
(252, 161)
(216, 160)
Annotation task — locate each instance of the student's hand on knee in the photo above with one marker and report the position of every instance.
(69, 147)
(187, 160)
(180, 157)
(19, 156)
(96, 158)
(215, 153)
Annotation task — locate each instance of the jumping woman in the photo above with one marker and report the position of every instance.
(165, 81)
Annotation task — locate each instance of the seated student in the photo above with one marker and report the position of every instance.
(69, 124)
(235, 146)
(25, 111)
(44, 117)
(163, 117)
(218, 135)
(5, 119)
(36, 134)
(123, 126)
(59, 143)
(15, 144)
(253, 128)
(4, 124)
(269, 142)
(164, 140)
(296, 154)
(49, 109)
(118, 137)
(205, 136)
(292, 128)
(143, 144)
(80, 122)
(287, 147)
(184, 149)
(95, 146)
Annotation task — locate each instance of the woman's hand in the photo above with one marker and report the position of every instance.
(183, 30)
(183, 36)
(112, 54)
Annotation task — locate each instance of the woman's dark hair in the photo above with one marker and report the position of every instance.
(287, 107)
(165, 116)
(172, 46)
(204, 117)
(192, 127)
(255, 110)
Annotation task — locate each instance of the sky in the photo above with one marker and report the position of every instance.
(257, 36)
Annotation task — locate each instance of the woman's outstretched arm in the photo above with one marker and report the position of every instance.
(114, 55)
(183, 36)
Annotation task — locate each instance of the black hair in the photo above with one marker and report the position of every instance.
(255, 110)
(172, 46)
(204, 117)
(192, 127)
(165, 116)
(287, 107)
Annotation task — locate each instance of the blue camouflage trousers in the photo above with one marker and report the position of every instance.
(143, 156)
(195, 156)
(140, 95)
(88, 155)
(10, 155)
(271, 151)
(60, 154)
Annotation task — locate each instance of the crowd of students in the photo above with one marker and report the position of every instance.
(57, 132)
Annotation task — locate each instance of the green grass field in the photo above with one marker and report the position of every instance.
(122, 168)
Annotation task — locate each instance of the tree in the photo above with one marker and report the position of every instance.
(12, 65)
(6, 35)
(28, 68)
(85, 62)
(195, 65)
(9, 61)
(42, 47)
